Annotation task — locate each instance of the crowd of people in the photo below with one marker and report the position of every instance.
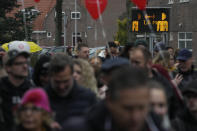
(124, 89)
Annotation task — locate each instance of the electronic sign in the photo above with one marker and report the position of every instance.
(155, 18)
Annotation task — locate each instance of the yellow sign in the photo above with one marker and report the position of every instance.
(158, 18)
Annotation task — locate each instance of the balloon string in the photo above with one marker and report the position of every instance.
(95, 33)
(101, 19)
(179, 94)
(102, 26)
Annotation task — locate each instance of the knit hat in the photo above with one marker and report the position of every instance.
(38, 97)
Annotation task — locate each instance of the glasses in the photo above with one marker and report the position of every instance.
(33, 109)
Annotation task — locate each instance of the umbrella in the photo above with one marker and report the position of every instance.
(33, 46)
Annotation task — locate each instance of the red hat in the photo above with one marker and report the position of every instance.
(38, 97)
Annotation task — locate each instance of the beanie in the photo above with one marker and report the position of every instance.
(38, 97)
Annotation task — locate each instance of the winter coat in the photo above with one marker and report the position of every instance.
(173, 101)
(98, 119)
(187, 77)
(10, 97)
(185, 122)
(20, 128)
(78, 101)
(164, 82)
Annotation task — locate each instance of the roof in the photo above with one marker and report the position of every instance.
(44, 6)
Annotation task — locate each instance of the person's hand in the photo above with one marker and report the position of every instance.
(177, 80)
(55, 125)
(176, 65)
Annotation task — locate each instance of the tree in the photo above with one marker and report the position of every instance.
(124, 33)
(121, 35)
(18, 28)
(58, 21)
(6, 6)
(12, 28)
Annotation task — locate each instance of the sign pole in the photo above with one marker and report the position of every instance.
(151, 35)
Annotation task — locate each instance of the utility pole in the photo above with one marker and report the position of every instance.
(58, 21)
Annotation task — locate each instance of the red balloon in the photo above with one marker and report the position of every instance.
(37, 1)
(93, 9)
(141, 4)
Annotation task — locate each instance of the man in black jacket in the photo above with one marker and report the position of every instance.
(186, 67)
(125, 108)
(66, 97)
(15, 84)
(187, 119)
(141, 57)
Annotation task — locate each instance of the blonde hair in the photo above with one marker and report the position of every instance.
(47, 118)
(162, 58)
(88, 79)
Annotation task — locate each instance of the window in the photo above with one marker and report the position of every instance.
(185, 40)
(73, 37)
(63, 13)
(62, 34)
(30, 13)
(184, 1)
(49, 34)
(34, 12)
(170, 1)
(75, 15)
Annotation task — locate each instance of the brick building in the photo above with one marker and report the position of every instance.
(183, 22)
(43, 7)
(89, 30)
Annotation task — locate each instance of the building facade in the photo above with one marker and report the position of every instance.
(93, 32)
(183, 22)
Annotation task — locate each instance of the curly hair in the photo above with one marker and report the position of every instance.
(162, 58)
(88, 79)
